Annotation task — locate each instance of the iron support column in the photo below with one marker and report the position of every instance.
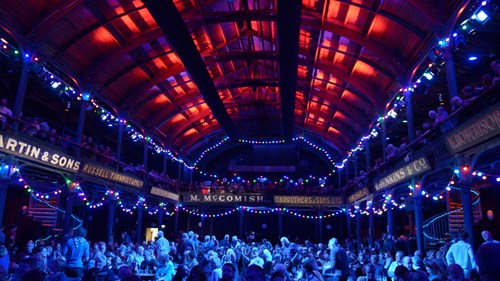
(79, 128)
(371, 227)
(419, 217)
(409, 116)
(240, 229)
(140, 209)
(160, 217)
(367, 155)
(349, 225)
(110, 220)
(384, 139)
(320, 221)
(176, 219)
(21, 92)
(465, 184)
(358, 230)
(451, 79)
(145, 155)
(70, 198)
(390, 219)
(119, 140)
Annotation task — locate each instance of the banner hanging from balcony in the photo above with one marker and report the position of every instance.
(478, 129)
(308, 200)
(108, 174)
(226, 198)
(164, 193)
(31, 150)
(358, 195)
(402, 174)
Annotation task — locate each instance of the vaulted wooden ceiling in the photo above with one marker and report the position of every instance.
(192, 72)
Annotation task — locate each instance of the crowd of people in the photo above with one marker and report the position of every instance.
(188, 257)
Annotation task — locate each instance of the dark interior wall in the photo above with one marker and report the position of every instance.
(490, 200)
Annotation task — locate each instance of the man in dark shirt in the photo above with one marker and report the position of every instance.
(338, 257)
(149, 264)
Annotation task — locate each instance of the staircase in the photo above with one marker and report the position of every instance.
(456, 216)
(43, 211)
(50, 215)
(439, 226)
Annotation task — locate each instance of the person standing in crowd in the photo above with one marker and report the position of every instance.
(101, 272)
(76, 251)
(338, 258)
(255, 273)
(461, 254)
(162, 244)
(397, 262)
(456, 273)
(228, 272)
(487, 260)
(369, 273)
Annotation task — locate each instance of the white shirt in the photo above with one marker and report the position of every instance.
(461, 254)
(162, 245)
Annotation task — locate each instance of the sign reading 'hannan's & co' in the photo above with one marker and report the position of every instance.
(32, 151)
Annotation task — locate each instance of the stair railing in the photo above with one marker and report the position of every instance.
(436, 227)
(76, 222)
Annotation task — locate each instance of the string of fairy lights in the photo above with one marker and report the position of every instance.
(131, 207)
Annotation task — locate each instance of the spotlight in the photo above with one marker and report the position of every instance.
(429, 75)
(481, 16)
(55, 84)
(86, 96)
(472, 58)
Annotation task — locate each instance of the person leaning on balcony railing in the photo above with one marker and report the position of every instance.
(495, 66)
(5, 113)
(443, 121)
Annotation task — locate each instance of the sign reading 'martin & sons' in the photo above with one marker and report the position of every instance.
(107, 174)
(308, 200)
(36, 152)
(481, 128)
(224, 198)
(404, 173)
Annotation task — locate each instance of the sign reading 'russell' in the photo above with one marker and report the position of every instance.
(108, 174)
(404, 173)
(38, 153)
